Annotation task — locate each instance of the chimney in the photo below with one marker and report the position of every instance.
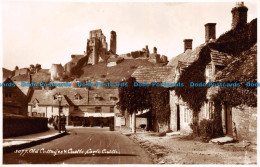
(187, 44)
(210, 31)
(239, 15)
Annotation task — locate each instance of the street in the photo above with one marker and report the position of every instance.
(82, 146)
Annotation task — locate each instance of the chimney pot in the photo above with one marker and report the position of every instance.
(210, 31)
(187, 44)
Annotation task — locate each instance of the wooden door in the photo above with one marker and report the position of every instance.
(229, 121)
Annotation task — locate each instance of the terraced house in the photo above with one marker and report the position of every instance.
(230, 58)
(81, 106)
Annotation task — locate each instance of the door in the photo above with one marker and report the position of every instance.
(178, 117)
(229, 121)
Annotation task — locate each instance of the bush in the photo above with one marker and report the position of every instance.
(206, 128)
(209, 129)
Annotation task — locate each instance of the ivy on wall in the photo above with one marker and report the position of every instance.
(234, 42)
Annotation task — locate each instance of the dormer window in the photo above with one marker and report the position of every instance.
(113, 98)
(77, 96)
(35, 103)
(97, 97)
(55, 97)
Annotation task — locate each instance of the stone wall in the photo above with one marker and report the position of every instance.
(18, 126)
(245, 119)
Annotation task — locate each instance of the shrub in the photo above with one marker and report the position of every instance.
(206, 128)
(209, 129)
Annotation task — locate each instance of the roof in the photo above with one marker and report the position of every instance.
(105, 95)
(6, 73)
(151, 74)
(188, 56)
(185, 59)
(87, 97)
(219, 58)
(21, 78)
(46, 97)
(24, 89)
(70, 94)
(244, 68)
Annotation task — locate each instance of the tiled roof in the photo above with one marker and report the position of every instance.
(24, 89)
(105, 95)
(21, 78)
(151, 74)
(242, 69)
(188, 56)
(219, 58)
(71, 92)
(171, 77)
(87, 97)
(6, 73)
(46, 97)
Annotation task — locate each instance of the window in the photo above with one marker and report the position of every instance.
(8, 97)
(186, 115)
(97, 109)
(211, 110)
(208, 72)
(76, 107)
(111, 109)
(77, 97)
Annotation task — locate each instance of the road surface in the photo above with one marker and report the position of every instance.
(82, 146)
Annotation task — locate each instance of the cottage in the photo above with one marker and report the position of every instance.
(15, 98)
(79, 105)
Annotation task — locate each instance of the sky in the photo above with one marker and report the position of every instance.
(48, 32)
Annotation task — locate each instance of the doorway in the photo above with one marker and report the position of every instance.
(178, 118)
(228, 115)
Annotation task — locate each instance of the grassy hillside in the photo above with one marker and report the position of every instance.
(115, 73)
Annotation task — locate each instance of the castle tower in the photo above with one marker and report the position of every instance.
(210, 31)
(239, 15)
(56, 72)
(113, 42)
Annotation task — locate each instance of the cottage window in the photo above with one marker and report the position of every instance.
(77, 97)
(211, 110)
(113, 98)
(186, 115)
(8, 97)
(97, 109)
(111, 109)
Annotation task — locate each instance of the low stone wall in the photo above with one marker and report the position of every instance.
(20, 125)
(245, 119)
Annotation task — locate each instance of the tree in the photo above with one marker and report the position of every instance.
(16, 68)
(132, 99)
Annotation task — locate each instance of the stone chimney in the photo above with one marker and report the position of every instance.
(210, 31)
(187, 44)
(239, 15)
